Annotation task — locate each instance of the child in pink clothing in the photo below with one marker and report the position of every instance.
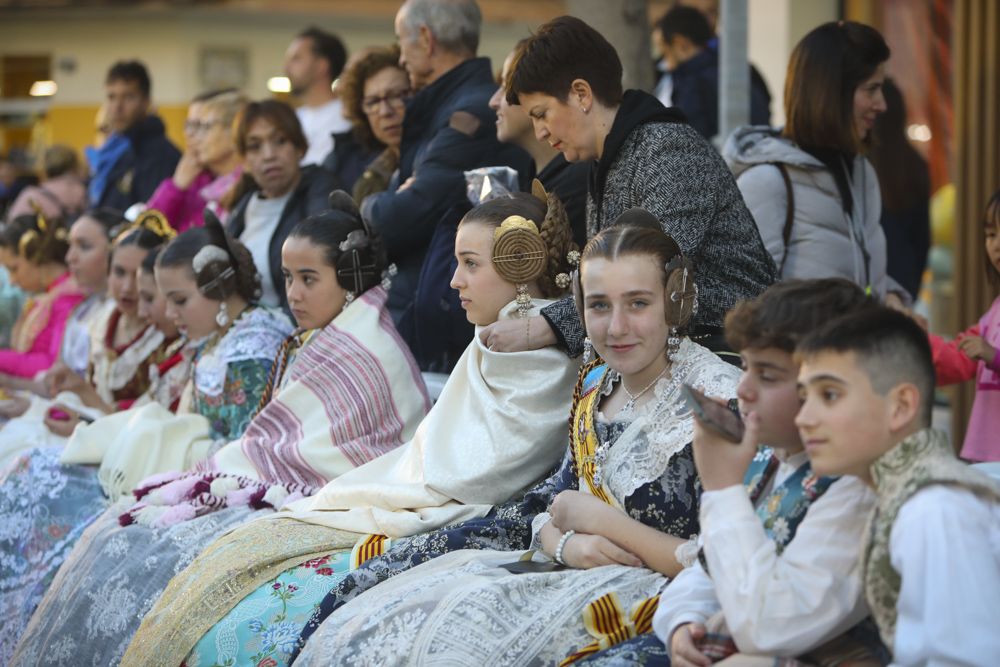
(33, 252)
(973, 354)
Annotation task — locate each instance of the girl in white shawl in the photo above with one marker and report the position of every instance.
(624, 505)
(499, 425)
(345, 390)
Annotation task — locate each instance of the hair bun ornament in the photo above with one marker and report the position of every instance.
(207, 255)
(519, 252)
(341, 201)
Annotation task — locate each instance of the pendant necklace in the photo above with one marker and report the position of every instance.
(628, 410)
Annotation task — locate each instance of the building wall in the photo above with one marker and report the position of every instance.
(84, 43)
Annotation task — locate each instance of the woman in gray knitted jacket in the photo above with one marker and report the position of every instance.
(643, 155)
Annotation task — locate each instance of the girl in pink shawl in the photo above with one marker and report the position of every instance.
(33, 250)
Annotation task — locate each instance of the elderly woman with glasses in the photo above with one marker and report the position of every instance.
(374, 89)
(210, 165)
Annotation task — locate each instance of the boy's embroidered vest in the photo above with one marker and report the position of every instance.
(923, 459)
(782, 510)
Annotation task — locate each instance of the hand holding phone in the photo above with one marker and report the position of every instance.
(713, 415)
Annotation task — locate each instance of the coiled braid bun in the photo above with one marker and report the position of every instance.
(558, 236)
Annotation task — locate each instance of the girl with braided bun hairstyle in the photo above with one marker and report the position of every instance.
(619, 514)
(342, 391)
(498, 425)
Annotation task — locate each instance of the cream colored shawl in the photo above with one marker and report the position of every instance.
(498, 426)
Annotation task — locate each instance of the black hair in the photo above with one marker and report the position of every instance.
(563, 50)
(25, 236)
(328, 47)
(130, 70)
(890, 348)
(149, 262)
(686, 22)
(362, 259)
(108, 218)
(218, 278)
(991, 218)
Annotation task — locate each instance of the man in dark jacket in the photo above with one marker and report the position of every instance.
(694, 67)
(137, 155)
(449, 128)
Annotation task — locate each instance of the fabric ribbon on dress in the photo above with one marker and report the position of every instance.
(351, 394)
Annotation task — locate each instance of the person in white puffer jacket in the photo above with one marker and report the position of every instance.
(814, 196)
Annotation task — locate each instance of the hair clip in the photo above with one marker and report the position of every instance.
(207, 255)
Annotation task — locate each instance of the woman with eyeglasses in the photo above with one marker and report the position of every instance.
(210, 165)
(374, 89)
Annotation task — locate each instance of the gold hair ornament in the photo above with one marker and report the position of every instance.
(152, 221)
(519, 256)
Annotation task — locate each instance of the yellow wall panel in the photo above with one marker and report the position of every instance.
(74, 125)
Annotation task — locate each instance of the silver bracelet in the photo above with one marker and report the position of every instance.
(562, 544)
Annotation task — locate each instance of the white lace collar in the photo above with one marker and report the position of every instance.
(664, 426)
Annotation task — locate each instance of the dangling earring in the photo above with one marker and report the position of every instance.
(588, 350)
(348, 299)
(222, 317)
(673, 344)
(523, 300)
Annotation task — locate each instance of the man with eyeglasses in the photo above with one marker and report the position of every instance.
(137, 155)
(448, 129)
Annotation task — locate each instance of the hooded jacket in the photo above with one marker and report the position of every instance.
(652, 159)
(825, 240)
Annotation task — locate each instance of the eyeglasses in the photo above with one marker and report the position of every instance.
(396, 100)
(197, 127)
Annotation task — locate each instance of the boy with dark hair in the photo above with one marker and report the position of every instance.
(931, 558)
(777, 573)
(137, 156)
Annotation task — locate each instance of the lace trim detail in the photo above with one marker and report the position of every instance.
(257, 334)
(686, 553)
(667, 426)
(537, 524)
(112, 372)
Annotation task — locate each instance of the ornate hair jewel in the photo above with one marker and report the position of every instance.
(356, 240)
(151, 220)
(207, 255)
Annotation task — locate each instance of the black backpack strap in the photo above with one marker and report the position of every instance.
(786, 232)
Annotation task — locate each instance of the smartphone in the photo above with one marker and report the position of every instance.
(714, 415)
(531, 567)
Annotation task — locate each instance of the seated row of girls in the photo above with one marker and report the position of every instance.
(361, 510)
(116, 344)
(448, 470)
(67, 497)
(453, 486)
(342, 390)
(47, 504)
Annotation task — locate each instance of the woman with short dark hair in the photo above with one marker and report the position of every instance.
(275, 192)
(814, 196)
(568, 78)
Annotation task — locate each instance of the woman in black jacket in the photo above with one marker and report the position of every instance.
(275, 193)
(642, 155)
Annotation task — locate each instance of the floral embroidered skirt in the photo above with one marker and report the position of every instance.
(44, 508)
(264, 627)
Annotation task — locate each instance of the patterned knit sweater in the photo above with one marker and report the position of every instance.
(671, 171)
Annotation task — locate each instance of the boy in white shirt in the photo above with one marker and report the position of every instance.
(778, 571)
(931, 558)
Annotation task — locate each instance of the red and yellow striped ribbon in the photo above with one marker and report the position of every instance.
(605, 620)
(368, 548)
